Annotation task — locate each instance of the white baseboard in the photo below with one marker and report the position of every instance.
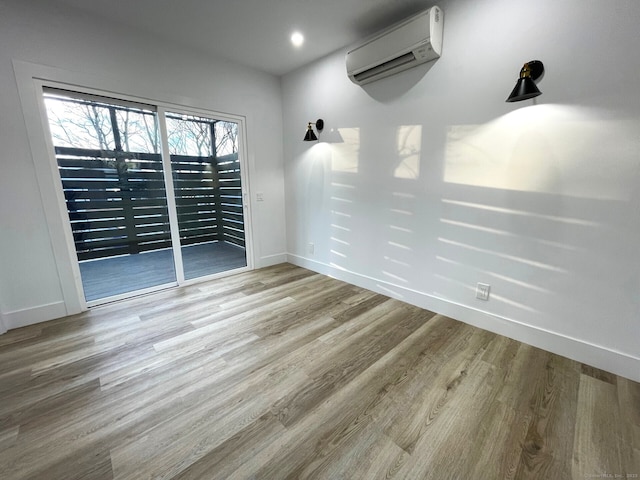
(3, 325)
(605, 358)
(29, 316)
(270, 260)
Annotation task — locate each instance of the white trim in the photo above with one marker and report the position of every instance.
(30, 316)
(64, 93)
(50, 188)
(169, 187)
(270, 260)
(62, 206)
(3, 324)
(245, 181)
(599, 356)
(131, 294)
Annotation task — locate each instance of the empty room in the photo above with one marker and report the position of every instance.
(284, 239)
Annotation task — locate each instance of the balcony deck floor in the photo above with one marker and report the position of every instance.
(112, 276)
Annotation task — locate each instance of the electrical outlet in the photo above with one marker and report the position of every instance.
(311, 248)
(482, 291)
(260, 197)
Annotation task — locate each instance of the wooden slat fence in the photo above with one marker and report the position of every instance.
(117, 200)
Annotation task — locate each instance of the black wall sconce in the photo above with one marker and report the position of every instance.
(310, 136)
(526, 86)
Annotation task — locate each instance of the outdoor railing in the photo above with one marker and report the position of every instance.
(117, 201)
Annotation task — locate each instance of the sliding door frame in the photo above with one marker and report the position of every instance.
(171, 197)
(161, 109)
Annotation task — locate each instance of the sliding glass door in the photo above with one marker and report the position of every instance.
(142, 220)
(208, 193)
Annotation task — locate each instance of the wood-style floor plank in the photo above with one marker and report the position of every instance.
(282, 373)
(599, 432)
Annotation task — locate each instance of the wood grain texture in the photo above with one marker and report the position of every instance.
(284, 373)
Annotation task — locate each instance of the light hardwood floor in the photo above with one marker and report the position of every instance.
(284, 373)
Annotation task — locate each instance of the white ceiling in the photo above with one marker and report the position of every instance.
(255, 32)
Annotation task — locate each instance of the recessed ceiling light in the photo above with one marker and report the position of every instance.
(297, 39)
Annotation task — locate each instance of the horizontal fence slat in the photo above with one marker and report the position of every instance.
(153, 237)
(237, 224)
(192, 158)
(228, 184)
(118, 235)
(233, 216)
(195, 199)
(88, 152)
(88, 163)
(235, 241)
(154, 245)
(196, 224)
(74, 173)
(91, 183)
(81, 205)
(161, 229)
(230, 200)
(186, 184)
(148, 210)
(148, 194)
(232, 230)
(149, 202)
(201, 239)
(106, 243)
(194, 232)
(228, 175)
(84, 194)
(196, 208)
(112, 214)
(88, 225)
(195, 218)
(102, 253)
(194, 175)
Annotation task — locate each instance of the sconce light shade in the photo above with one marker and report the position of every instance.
(526, 86)
(310, 135)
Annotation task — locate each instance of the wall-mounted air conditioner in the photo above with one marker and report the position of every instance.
(408, 43)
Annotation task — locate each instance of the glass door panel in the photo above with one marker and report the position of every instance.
(109, 161)
(205, 168)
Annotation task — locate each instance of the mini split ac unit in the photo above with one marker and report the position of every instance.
(404, 45)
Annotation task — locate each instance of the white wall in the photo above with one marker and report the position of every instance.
(436, 183)
(88, 52)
